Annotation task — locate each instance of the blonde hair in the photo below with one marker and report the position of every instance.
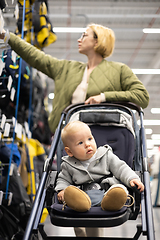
(105, 38)
(70, 129)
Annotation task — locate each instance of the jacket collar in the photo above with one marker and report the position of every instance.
(76, 163)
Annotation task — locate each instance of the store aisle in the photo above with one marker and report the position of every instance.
(125, 230)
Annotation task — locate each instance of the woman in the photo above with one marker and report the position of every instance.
(96, 81)
(102, 80)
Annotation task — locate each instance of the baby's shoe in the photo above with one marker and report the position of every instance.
(115, 198)
(77, 199)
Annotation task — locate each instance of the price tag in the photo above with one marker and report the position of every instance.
(14, 55)
(6, 130)
(2, 65)
(1, 21)
(9, 85)
(19, 131)
(3, 121)
(26, 127)
(13, 91)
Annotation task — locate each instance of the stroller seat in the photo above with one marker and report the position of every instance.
(84, 219)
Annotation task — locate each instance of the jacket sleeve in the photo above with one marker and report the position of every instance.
(120, 169)
(64, 178)
(36, 58)
(132, 89)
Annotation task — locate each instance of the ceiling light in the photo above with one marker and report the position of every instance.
(80, 29)
(148, 131)
(69, 29)
(155, 136)
(151, 30)
(150, 122)
(155, 110)
(152, 143)
(156, 142)
(51, 96)
(146, 71)
(152, 151)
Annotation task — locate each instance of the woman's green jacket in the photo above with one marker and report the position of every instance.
(116, 80)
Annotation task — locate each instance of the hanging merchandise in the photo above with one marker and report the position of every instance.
(9, 82)
(16, 154)
(40, 129)
(15, 204)
(17, 188)
(36, 157)
(38, 29)
(3, 4)
(27, 24)
(45, 36)
(22, 1)
(16, 208)
(4, 93)
(4, 157)
(23, 166)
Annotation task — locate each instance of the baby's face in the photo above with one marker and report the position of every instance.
(82, 144)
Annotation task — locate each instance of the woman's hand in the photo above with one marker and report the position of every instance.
(94, 99)
(2, 34)
(60, 196)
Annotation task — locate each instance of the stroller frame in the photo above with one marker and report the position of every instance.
(44, 192)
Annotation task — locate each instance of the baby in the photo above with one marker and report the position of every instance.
(91, 176)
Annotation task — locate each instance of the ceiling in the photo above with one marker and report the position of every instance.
(127, 19)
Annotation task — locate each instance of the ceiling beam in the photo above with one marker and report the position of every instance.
(108, 16)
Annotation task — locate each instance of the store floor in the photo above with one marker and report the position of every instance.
(126, 230)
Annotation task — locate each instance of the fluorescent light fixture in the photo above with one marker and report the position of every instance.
(51, 96)
(155, 136)
(69, 30)
(152, 151)
(148, 131)
(146, 71)
(150, 122)
(151, 30)
(155, 110)
(151, 142)
(80, 30)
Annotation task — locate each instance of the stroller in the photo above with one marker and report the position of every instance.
(114, 124)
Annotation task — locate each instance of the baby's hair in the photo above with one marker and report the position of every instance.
(69, 129)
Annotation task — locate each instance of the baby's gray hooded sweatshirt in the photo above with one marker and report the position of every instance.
(105, 163)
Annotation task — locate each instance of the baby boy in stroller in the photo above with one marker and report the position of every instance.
(91, 176)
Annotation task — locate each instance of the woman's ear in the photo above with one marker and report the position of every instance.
(68, 151)
(96, 42)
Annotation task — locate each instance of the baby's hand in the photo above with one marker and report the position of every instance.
(139, 184)
(60, 196)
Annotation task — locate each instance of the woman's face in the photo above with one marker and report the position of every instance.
(87, 42)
